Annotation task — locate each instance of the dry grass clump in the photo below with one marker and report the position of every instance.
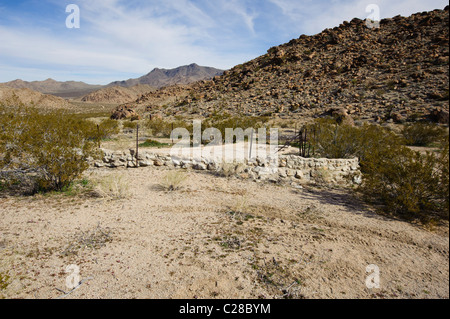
(173, 181)
(114, 187)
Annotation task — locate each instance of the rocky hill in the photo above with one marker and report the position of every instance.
(117, 94)
(399, 70)
(159, 78)
(19, 97)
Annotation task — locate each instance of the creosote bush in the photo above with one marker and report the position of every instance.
(407, 183)
(153, 143)
(422, 134)
(107, 128)
(53, 146)
(161, 128)
(130, 125)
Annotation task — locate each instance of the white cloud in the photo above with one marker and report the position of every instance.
(241, 9)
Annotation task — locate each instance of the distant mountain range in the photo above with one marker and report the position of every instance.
(50, 86)
(157, 78)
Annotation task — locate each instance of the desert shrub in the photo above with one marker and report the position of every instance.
(130, 125)
(78, 187)
(4, 281)
(54, 145)
(107, 128)
(153, 143)
(331, 140)
(158, 127)
(442, 169)
(408, 183)
(422, 134)
(173, 180)
(405, 182)
(335, 141)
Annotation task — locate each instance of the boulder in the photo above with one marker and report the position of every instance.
(124, 112)
(156, 116)
(398, 118)
(340, 115)
(439, 116)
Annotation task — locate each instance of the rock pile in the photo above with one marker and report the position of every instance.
(125, 112)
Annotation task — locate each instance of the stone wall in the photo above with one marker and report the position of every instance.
(284, 167)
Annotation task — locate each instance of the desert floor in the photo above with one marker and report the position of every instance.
(215, 237)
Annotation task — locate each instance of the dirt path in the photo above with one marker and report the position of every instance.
(215, 238)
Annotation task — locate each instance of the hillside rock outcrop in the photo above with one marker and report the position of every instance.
(401, 68)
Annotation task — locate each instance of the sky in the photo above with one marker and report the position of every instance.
(122, 39)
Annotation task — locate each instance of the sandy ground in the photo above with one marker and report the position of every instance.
(215, 237)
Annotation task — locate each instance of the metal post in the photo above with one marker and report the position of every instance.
(137, 145)
(306, 143)
(300, 133)
(314, 141)
(251, 145)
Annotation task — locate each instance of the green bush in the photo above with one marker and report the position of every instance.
(159, 127)
(107, 128)
(4, 281)
(331, 140)
(405, 182)
(153, 143)
(408, 183)
(422, 134)
(130, 125)
(53, 145)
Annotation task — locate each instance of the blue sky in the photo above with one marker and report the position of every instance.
(121, 39)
